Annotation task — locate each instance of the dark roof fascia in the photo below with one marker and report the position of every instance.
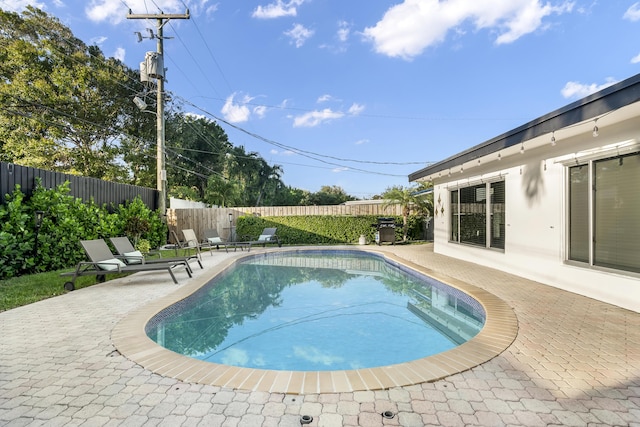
(608, 99)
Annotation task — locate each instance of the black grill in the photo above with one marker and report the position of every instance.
(386, 230)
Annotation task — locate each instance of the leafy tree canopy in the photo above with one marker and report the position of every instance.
(63, 103)
(329, 195)
(66, 107)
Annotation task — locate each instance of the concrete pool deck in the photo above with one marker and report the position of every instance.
(575, 361)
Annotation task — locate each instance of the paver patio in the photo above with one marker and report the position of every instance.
(575, 361)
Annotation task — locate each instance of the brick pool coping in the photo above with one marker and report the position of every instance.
(499, 331)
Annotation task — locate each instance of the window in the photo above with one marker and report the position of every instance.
(604, 207)
(454, 215)
(477, 219)
(579, 213)
(497, 215)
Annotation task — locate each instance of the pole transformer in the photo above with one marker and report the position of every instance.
(161, 173)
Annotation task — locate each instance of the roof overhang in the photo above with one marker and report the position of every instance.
(587, 109)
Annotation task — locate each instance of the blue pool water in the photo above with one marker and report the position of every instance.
(317, 310)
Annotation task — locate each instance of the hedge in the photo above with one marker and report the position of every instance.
(323, 230)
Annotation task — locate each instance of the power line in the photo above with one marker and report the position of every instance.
(194, 60)
(303, 153)
(308, 154)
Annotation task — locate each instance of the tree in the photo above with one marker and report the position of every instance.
(290, 196)
(196, 150)
(409, 199)
(65, 107)
(223, 192)
(62, 103)
(329, 195)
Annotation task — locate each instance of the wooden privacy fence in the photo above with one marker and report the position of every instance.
(102, 192)
(219, 218)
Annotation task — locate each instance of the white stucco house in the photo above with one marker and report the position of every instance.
(556, 200)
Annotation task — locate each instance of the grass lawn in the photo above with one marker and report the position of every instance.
(30, 288)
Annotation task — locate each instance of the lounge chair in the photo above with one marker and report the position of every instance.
(130, 255)
(213, 238)
(191, 241)
(268, 235)
(103, 261)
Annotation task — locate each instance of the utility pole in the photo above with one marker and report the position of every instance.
(161, 173)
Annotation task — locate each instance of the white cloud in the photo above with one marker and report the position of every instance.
(115, 11)
(343, 31)
(198, 7)
(282, 153)
(341, 38)
(236, 112)
(633, 13)
(356, 109)
(635, 59)
(278, 9)
(529, 19)
(119, 54)
(340, 169)
(362, 141)
(98, 40)
(260, 111)
(20, 5)
(315, 118)
(324, 98)
(211, 10)
(408, 28)
(577, 90)
(318, 117)
(299, 34)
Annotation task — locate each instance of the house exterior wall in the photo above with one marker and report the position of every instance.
(536, 224)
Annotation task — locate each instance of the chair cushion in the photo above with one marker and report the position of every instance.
(134, 257)
(214, 240)
(111, 264)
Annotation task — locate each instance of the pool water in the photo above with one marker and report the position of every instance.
(315, 311)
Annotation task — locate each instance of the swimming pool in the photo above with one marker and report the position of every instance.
(130, 339)
(320, 310)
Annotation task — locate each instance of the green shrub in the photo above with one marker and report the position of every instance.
(325, 229)
(67, 220)
(16, 236)
(137, 221)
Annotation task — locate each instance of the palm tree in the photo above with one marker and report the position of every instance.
(409, 199)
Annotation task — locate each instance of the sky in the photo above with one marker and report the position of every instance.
(357, 93)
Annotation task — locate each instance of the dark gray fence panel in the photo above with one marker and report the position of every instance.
(102, 192)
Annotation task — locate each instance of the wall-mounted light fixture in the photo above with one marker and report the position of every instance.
(38, 216)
